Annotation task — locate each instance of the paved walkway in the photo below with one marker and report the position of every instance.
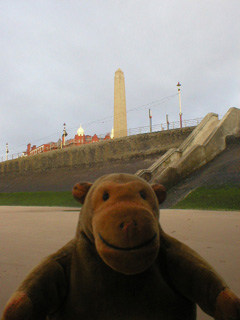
(28, 234)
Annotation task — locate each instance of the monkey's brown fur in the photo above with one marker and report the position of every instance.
(122, 265)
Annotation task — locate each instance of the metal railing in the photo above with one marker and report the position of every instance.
(164, 126)
(131, 132)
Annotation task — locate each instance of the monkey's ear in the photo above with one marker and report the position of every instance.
(160, 192)
(80, 191)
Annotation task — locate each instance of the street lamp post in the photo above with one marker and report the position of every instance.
(64, 134)
(167, 121)
(150, 119)
(7, 151)
(180, 107)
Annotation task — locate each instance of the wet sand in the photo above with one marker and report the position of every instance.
(28, 234)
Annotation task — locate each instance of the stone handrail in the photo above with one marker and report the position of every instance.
(175, 153)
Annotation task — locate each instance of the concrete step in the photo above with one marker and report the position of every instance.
(201, 146)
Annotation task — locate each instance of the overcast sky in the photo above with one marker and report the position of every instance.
(58, 59)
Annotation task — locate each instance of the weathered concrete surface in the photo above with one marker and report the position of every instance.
(63, 179)
(132, 148)
(222, 171)
(28, 234)
(60, 170)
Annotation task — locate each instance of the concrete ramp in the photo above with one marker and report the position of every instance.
(206, 141)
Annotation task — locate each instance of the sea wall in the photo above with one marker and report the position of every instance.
(140, 146)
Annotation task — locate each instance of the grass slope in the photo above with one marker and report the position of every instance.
(45, 198)
(210, 198)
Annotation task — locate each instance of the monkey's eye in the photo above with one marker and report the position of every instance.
(143, 195)
(105, 196)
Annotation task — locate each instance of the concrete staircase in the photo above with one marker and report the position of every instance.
(202, 145)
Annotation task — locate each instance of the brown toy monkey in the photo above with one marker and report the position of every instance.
(122, 265)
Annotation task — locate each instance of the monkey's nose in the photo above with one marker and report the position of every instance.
(126, 226)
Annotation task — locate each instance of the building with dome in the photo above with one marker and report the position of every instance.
(80, 136)
(80, 131)
(79, 139)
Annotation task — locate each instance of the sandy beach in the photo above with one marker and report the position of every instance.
(28, 234)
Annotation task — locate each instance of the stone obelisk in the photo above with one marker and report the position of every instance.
(120, 114)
